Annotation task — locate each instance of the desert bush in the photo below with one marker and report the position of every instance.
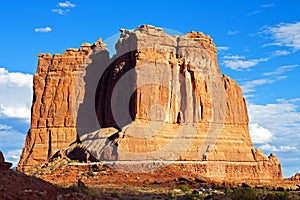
(282, 195)
(190, 197)
(244, 193)
(228, 190)
(184, 188)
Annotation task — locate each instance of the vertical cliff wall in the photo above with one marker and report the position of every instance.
(59, 88)
(161, 97)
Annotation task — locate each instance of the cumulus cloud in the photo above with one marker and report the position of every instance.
(17, 87)
(284, 34)
(18, 112)
(43, 29)
(236, 62)
(15, 105)
(282, 119)
(272, 148)
(259, 134)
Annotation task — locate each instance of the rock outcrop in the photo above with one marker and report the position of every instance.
(296, 177)
(4, 165)
(160, 98)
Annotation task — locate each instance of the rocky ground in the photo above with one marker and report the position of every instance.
(16, 185)
(96, 181)
(63, 178)
(67, 172)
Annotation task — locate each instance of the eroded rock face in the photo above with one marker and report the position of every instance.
(59, 88)
(296, 177)
(161, 97)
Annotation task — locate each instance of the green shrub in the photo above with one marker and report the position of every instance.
(282, 195)
(244, 193)
(269, 196)
(73, 161)
(228, 190)
(184, 188)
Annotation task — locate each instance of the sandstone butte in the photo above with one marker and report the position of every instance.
(160, 98)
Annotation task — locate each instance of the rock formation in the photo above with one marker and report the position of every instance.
(4, 165)
(296, 177)
(160, 98)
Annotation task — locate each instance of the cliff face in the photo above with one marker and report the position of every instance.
(58, 90)
(160, 98)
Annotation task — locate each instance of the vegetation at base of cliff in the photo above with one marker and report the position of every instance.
(253, 194)
(130, 186)
(182, 193)
(184, 188)
(87, 191)
(245, 193)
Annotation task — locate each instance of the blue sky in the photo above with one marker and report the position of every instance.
(258, 43)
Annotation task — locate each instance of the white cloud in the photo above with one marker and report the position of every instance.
(16, 78)
(11, 141)
(281, 53)
(234, 57)
(254, 12)
(15, 112)
(240, 64)
(294, 100)
(60, 11)
(270, 77)
(4, 127)
(63, 7)
(272, 148)
(263, 8)
(17, 87)
(284, 34)
(236, 62)
(66, 4)
(249, 86)
(281, 70)
(223, 48)
(13, 156)
(271, 44)
(282, 119)
(232, 32)
(259, 134)
(267, 5)
(43, 29)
